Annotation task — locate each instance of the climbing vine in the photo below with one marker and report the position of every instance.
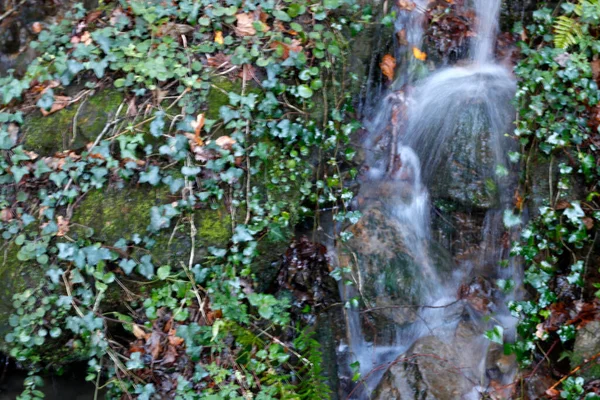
(557, 125)
(201, 324)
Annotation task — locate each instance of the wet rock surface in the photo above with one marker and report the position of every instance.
(426, 372)
(389, 268)
(587, 345)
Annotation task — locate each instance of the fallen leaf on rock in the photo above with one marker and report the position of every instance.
(60, 102)
(245, 25)
(388, 65)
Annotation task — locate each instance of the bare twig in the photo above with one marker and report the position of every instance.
(9, 12)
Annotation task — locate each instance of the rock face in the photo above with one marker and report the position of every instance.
(587, 345)
(73, 127)
(433, 369)
(395, 268)
(425, 372)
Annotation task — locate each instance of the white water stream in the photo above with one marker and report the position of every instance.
(482, 90)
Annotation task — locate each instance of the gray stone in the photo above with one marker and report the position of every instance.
(587, 345)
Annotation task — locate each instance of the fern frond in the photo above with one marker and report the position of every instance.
(567, 32)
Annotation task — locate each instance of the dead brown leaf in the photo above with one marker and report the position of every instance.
(63, 226)
(388, 65)
(6, 215)
(225, 142)
(294, 46)
(219, 60)
(245, 25)
(91, 17)
(198, 124)
(406, 5)
(596, 70)
(154, 344)
(37, 27)
(131, 107)
(60, 102)
(138, 332)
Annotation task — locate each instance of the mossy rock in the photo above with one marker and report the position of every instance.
(122, 212)
(391, 269)
(16, 276)
(54, 133)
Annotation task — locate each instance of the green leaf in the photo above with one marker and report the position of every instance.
(282, 16)
(305, 92)
(496, 334)
(163, 272)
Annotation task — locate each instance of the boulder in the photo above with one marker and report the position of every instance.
(426, 372)
(587, 345)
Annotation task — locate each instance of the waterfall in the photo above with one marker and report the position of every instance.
(488, 14)
(454, 120)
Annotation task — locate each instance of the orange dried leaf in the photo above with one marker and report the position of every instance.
(198, 124)
(388, 66)
(219, 37)
(419, 55)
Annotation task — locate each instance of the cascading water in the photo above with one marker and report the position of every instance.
(449, 143)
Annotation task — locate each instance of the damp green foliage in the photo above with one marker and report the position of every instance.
(187, 156)
(557, 98)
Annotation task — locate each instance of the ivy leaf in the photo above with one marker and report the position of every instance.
(163, 272)
(6, 142)
(152, 176)
(242, 234)
(305, 92)
(574, 213)
(19, 172)
(496, 334)
(157, 126)
(146, 268)
(281, 15)
(127, 265)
